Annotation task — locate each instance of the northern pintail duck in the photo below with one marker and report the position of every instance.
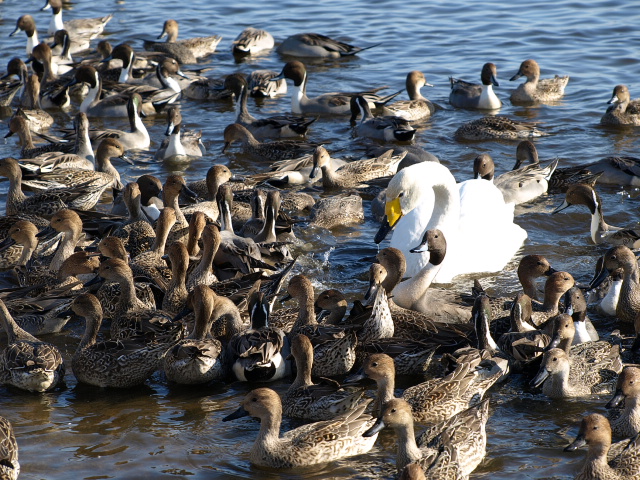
(473, 96)
(618, 171)
(62, 46)
(259, 353)
(499, 127)
(536, 90)
(26, 362)
(54, 90)
(136, 233)
(150, 202)
(261, 84)
(417, 107)
(517, 186)
(185, 51)
(20, 244)
(78, 26)
(175, 185)
(605, 297)
(121, 363)
(273, 151)
(179, 143)
(623, 110)
(464, 433)
(335, 103)
(562, 378)
(270, 127)
(309, 401)
(334, 349)
(575, 305)
(208, 188)
(595, 432)
(316, 45)
(27, 24)
(338, 210)
(601, 231)
(175, 298)
(31, 108)
(9, 464)
(623, 409)
(44, 203)
(353, 173)
(385, 128)
(197, 359)
(310, 444)
(202, 273)
(10, 88)
(19, 125)
(470, 209)
(251, 41)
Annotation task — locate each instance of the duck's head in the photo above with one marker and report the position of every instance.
(18, 125)
(563, 331)
(558, 283)
(234, 132)
(619, 257)
(331, 300)
(580, 194)
(86, 74)
(25, 23)
(122, 52)
(522, 309)
(86, 305)
(575, 304)
(484, 167)
(80, 263)
(174, 186)
(321, 158)
(378, 367)
(416, 79)
(293, 70)
(595, 430)
(23, 232)
(111, 147)
(170, 29)
(553, 361)
(112, 247)
(299, 287)
(260, 403)
(377, 275)
(620, 94)
(236, 83)
(433, 241)
(396, 414)
(150, 187)
(115, 270)
(66, 220)
(132, 195)
(529, 69)
(489, 74)
(534, 266)
(174, 121)
(526, 152)
(216, 176)
(628, 385)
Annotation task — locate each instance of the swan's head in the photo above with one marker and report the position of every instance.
(402, 197)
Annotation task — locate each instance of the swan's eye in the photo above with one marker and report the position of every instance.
(401, 194)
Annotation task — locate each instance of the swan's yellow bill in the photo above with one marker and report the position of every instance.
(393, 211)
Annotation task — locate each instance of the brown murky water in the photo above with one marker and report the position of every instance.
(158, 431)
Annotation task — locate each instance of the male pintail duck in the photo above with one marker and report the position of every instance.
(197, 359)
(465, 432)
(601, 231)
(307, 445)
(595, 432)
(536, 90)
(497, 127)
(78, 26)
(605, 297)
(417, 107)
(623, 409)
(575, 305)
(473, 96)
(262, 85)
(9, 464)
(112, 363)
(26, 362)
(517, 186)
(251, 41)
(460, 211)
(179, 143)
(335, 103)
(185, 51)
(259, 353)
(623, 110)
(27, 24)
(54, 90)
(316, 45)
(270, 127)
(385, 128)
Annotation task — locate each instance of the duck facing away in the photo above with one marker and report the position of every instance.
(306, 445)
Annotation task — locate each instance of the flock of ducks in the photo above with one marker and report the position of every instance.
(190, 290)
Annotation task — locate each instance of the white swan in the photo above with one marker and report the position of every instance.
(478, 225)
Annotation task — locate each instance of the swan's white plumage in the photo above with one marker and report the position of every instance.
(478, 225)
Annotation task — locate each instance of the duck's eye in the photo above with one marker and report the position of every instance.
(374, 364)
(630, 382)
(555, 359)
(393, 410)
(540, 263)
(254, 399)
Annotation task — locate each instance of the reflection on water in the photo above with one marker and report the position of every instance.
(161, 431)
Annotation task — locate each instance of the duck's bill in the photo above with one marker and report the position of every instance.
(580, 441)
(616, 401)
(379, 425)
(539, 378)
(564, 205)
(239, 413)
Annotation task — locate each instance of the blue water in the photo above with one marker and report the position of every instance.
(162, 432)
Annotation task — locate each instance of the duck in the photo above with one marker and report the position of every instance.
(45, 203)
(208, 188)
(472, 96)
(353, 173)
(385, 128)
(281, 126)
(26, 362)
(273, 151)
(517, 186)
(536, 90)
(202, 273)
(326, 104)
(340, 210)
(31, 108)
(562, 378)
(19, 125)
(10, 88)
(251, 41)
(497, 127)
(9, 464)
(426, 196)
(54, 90)
(259, 353)
(306, 400)
(575, 305)
(135, 233)
(20, 244)
(27, 24)
(317, 45)
(197, 359)
(113, 363)
(185, 51)
(605, 297)
(417, 107)
(174, 186)
(310, 444)
(150, 202)
(464, 433)
(601, 231)
(613, 170)
(623, 110)
(622, 409)
(175, 298)
(177, 145)
(595, 432)
(78, 26)
(261, 84)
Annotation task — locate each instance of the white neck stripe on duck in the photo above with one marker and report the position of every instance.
(125, 73)
(298, 94)
(167, 80)
(92, 95)
(56, 23)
